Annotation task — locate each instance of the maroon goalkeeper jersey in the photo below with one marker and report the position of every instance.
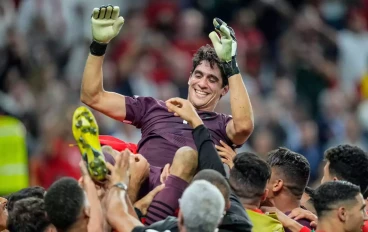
(163, 133)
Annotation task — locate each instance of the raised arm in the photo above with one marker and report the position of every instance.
(106, 24)
(240, 128)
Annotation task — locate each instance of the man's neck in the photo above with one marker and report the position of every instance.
(286, 203)
(248, 204)
(329, 225)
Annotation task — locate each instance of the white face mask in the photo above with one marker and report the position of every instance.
(333, 9)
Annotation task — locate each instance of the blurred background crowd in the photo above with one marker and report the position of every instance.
(304, 63)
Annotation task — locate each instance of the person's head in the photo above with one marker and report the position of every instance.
(207, 82)
(66, 205)
(29, 215)
(290, 173)
(217, 180)
(340, 203)
(346, 162)
(37, 192)
(201, 207)
(249, 177)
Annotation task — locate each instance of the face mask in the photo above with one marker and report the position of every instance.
(332, 10)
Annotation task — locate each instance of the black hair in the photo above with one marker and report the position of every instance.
(216, 179)
(37, 192)
(331, 195)
(249, 176)
(208, 53)
(28, 215)
(64, 203)
(349, 163)
(294, 167)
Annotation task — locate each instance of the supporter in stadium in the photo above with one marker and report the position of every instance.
(29, 215)
(290, 175)
(214, 73)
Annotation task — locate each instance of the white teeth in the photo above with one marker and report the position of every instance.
(201, 92)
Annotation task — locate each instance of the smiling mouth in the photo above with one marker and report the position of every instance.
(200, 93)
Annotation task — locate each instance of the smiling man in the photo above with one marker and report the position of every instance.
(214, 73)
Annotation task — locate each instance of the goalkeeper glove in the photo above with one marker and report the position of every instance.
(225, 47)
(106, 24)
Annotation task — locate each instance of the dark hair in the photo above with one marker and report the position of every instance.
(331, 194)
(249, 176)
(208, 53)
(349, 163)
(28, 215)
(216, 179)
(64, 202)
(37, 192)
(294, 167)
(308, 190)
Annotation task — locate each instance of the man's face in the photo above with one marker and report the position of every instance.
(205, 86)
(326, 173)
(356, 215)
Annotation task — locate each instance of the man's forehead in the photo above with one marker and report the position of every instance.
(205, 67)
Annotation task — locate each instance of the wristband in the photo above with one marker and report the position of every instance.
(97, 49)
(230, 68)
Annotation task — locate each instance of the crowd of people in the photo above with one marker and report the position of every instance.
(288, 78)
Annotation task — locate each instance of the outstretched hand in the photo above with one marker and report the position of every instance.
(184, 109)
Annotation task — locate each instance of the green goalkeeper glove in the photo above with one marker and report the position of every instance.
(225, 47)
(106, 24)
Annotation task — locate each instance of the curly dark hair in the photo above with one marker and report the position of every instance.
(294, 167)
(64, 203)
(208, 53)
(28, 215)
(249, 176)
(37, 192)
(333, 194)
(349, 163)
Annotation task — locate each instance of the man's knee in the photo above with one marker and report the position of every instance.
(185, 163)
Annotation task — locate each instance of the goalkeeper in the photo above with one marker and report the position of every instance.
(214, 73)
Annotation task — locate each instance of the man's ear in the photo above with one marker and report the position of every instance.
(342, 214)
(277, 185)
(87, 211)
(225, 90)
(264, 196)
(335, 178)
(228, 205)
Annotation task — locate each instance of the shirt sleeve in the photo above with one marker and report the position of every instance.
(137, 108)
(208, 157)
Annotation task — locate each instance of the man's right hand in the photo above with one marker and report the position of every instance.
(184, 109)
(106, 23)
